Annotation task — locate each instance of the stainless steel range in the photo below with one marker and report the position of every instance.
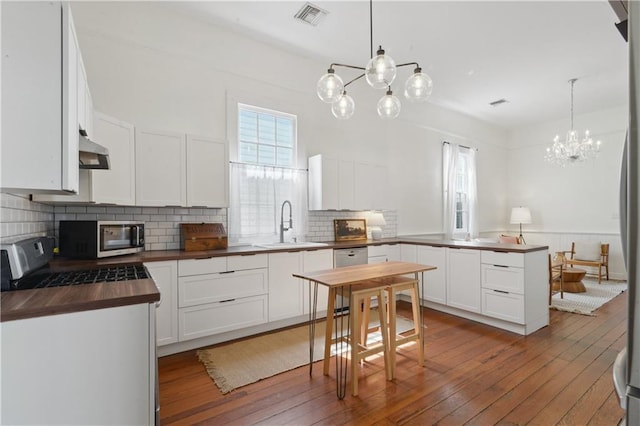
(24, 266)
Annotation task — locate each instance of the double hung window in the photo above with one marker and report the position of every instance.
(460, 199)
(265, 176)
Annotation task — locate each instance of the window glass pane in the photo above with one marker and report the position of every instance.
(285, 157)
(267, 155)
(267, 126)
(285, 132)
(248, 126)
(248, 153)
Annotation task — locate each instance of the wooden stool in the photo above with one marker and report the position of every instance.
(361, 295)
(394, 285)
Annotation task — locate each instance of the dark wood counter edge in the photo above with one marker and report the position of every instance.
(33, 303)
(162, 255)
(59, 300)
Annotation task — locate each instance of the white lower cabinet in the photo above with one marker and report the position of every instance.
(286, 293)
(508, 290)
(165, 275)
(91, 367)
(316, 260)
(289, 297)
(463, 279)
(226, 315)
(503, 286)
(503, 305)
(221, 294)
(384, 253)
(435, 281)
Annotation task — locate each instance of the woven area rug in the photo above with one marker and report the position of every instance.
(248, 361)
(587, 303)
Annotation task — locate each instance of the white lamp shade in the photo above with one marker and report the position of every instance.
(520, 215)
(376, 219)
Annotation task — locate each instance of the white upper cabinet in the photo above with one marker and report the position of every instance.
(113, 186)
(118, 184)
(323, 183)
(346, 184)
(160, 168)
(207, 172)
(39, 99)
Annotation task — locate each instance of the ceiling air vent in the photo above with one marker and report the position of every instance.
(311, 14)
(498, 102)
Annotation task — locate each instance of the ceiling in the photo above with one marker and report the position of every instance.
(476, 52)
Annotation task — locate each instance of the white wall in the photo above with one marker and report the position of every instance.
(156, 69)
(579, 201)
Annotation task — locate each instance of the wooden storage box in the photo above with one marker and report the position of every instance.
(202, 236)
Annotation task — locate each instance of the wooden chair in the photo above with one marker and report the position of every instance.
(555, 276)
(579, 256)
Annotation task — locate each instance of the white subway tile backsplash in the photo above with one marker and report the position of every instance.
(20, 218)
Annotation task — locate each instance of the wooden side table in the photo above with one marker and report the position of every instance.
(572, 280)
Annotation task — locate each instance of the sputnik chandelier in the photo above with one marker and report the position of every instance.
(380, 72)
(572, 150)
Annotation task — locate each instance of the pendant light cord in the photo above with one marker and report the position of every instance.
(371, 27)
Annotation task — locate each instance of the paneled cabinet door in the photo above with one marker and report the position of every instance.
(316, 260)
(408, 253)
(39, 100)
(463, 279)
(435, 284)
(207, 172)
(165, 275)
(286, 293)
(118, 184)
(161, 176)
(323, 183)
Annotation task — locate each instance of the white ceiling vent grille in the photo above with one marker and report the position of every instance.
(311, 14)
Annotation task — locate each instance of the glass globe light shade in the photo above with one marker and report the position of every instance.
(344, 107)
(389, 106)
(329, 87)
(418, 86)
(380, 70)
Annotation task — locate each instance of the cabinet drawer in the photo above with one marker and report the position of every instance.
(501, 258)
(505, 306)
(377, 250)
(504, 278)
(249, 261)
(208, 288)
(212, 265)
(206, 320)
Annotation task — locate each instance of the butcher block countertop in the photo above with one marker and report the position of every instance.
(24, 304)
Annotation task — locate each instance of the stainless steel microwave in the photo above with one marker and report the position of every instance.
(93, 239)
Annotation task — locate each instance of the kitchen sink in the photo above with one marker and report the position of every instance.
(290, 244)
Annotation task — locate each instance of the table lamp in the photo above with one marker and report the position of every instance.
(521, 215)
(375, 221)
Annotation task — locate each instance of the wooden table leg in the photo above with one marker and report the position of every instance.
(329, 330)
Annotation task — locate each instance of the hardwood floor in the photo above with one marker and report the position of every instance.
(474, 374)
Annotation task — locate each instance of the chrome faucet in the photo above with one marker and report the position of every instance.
(282, 227)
